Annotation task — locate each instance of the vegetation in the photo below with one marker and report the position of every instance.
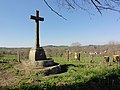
(75, 75)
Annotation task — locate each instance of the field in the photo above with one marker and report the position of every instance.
(75, 75)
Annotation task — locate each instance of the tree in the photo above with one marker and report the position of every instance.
(84, 5)
(76, 44)
(113, 43)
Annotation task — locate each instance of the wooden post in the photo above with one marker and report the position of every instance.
(68, 55)
(18, 55)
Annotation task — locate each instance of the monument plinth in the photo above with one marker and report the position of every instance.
(37, 54)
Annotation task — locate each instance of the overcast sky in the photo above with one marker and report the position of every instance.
(17, 30)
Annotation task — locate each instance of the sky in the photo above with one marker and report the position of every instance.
(17, 30)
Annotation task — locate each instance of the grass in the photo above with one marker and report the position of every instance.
(76, 75)
(7, 61)
(8, 58)
(5, 66)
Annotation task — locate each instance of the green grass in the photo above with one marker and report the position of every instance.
(8, 58)
(76, 75)
(7, 61)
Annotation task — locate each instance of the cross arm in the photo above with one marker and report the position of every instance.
(32, 17)
(36, 18)
(41, 19)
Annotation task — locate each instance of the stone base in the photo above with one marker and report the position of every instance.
(37, 54)
(43, 63)
(45, 66)
(52, 70)
(39, 62)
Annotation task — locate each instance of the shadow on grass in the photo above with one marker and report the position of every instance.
(110, 82)
(64, 68)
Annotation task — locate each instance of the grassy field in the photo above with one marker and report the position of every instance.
(75, 75)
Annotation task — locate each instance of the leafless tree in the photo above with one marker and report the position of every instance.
(76, 44)
(86, 5)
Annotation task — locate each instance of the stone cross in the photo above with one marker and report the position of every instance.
(37, 19)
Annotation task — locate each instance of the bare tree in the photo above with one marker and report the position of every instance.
(86, 5)
(75, 44)
(113, 43)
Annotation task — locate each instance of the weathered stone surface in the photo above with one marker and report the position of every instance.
(52, 70)
(45, 63)
(37, 54)
(47, 67)
(37, 19)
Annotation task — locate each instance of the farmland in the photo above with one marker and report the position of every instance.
(75, 75)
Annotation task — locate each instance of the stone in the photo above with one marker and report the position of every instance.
(37, 54)
(41, 66)
(45, 63)
(37, 19)
(42, 63)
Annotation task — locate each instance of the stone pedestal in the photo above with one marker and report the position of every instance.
(45, 67)
(37, 54)
(42, 63)
(39, 62)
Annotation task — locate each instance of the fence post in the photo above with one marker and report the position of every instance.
(18, 56)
